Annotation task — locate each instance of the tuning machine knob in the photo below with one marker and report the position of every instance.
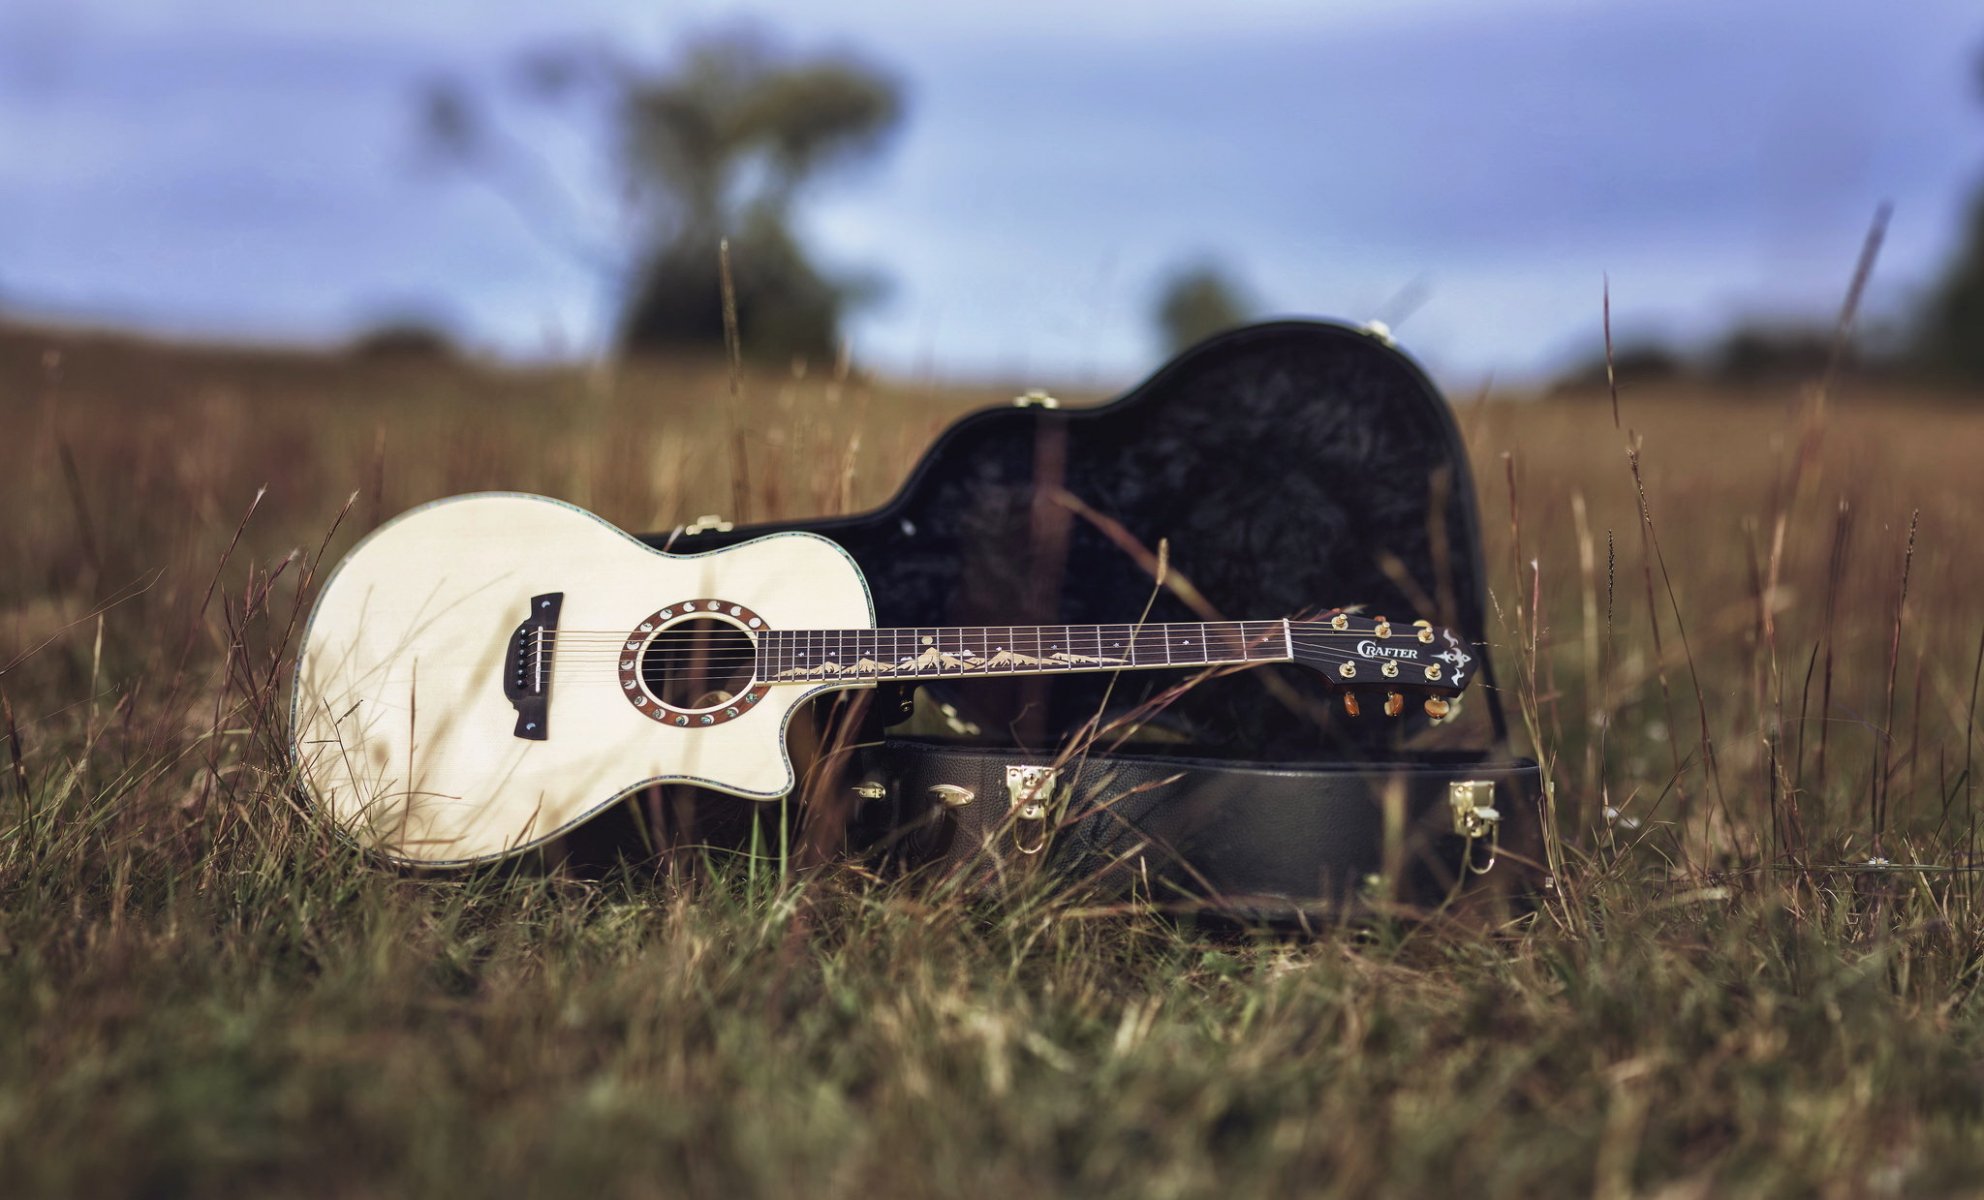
(1394, 704)
(1437, 707)
(1350, 705)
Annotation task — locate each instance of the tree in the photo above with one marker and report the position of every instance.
(723, 147)
(1952, 335)
(1197, 301)
(725, 143)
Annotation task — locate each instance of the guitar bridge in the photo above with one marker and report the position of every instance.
(527, 666)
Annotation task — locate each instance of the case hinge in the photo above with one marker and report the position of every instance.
(950, 795)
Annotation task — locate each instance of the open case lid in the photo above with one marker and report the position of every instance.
(1287, 467)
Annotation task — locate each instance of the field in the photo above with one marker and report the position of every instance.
(1744, 631)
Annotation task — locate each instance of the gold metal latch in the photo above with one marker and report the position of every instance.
(1035, 399)
(1032, 791)
(1475, 817)
(950, 795)
(708, 523)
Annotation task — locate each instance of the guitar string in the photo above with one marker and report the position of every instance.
(1018, 631)
(737, 664)
(1144, 656)
(1016, 634)
(1137, 647)
(1273, 625)
(865, 642)
(589, 650)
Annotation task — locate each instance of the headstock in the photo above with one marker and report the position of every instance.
(1370, 654)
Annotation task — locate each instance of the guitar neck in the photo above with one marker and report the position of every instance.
(987, 650)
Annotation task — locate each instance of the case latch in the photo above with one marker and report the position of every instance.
(1032, 791)
(707, 523)
(1475, 817)
(1035, 399)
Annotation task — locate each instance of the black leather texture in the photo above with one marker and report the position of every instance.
(1257, 842)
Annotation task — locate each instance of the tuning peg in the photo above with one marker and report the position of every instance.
(1394, 704)
(1384, 626)
(1425, 629)
(1437, 707)
(1350, 706)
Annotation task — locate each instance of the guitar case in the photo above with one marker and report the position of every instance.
(1280, 469)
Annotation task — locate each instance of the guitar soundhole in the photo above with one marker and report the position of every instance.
(698, 664)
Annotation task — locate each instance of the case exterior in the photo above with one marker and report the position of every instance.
(1255, 842)
(1279, 469)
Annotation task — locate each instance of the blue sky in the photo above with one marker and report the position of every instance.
(246, 168)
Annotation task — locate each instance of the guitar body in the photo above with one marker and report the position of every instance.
(407, 736)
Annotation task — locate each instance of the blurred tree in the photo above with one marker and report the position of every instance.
(724, 143)
(1754, 354)
(1952, 334)
(1633, 363)
(1198, 300)
(403, 340)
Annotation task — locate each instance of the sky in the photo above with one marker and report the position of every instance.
(1473, 172)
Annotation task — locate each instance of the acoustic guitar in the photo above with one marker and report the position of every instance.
(483, 673)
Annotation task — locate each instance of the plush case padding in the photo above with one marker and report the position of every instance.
(1285, 467)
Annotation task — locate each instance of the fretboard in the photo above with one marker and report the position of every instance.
(797, 654)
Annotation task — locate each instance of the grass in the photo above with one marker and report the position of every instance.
(203, 991)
